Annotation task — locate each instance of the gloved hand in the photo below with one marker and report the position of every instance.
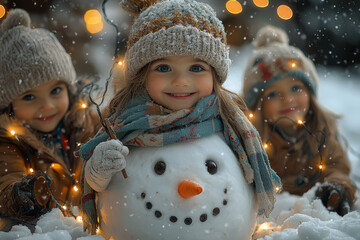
(333, 197)
(31, 194)
(108, 158)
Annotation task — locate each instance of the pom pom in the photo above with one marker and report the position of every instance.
(135, 7)
(268, 35)
(16, 18)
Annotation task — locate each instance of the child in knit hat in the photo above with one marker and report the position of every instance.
(176, 62)
(41, 123)
(280, 87)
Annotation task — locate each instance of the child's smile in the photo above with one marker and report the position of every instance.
(179, 82)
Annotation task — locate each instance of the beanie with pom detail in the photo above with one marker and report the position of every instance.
(175, 28)
(29, 57)
(272, 60)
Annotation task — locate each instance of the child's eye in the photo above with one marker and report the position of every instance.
(296, 89)
(28, 97)
(271, 95)
(163, 68)
(196, 68)
(56, 91)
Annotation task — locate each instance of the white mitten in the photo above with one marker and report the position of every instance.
(108, 158)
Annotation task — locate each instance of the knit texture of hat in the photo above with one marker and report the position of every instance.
(29, 57)
(272, 60)
(175, 28)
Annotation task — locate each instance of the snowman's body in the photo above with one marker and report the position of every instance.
(148, 205)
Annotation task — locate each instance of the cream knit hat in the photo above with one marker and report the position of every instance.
(273, 60)
(175, 27)
(29, 57)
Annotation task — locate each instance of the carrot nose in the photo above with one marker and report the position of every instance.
(189, 189)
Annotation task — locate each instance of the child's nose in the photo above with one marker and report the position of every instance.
(47, 105)
(287, 97)
(180, 80)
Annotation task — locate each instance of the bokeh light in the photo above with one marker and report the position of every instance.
(234, 7)
(284, 12)
(2, 11)
(261, 3)
(93, 21)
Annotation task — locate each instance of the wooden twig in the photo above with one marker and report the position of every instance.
(113, 136)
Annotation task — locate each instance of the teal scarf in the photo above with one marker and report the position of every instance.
(144, 123)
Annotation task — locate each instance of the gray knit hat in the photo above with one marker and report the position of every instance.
(173, 28)
(29, 57)
(273, 60)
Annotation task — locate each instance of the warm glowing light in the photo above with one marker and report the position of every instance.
(284, 12)
(92, 17)
(64, 207)
(266, 146)
(79, 219)
(300, 122)
(97, 230)
(251, 115)
(264, 226)
(321, 166)
(12, 132)
(83, 105)
(94, 28)
(2, 11)
(292, 64)
(120, 63)
(78, 144)
(233, 7)
(277, 189)
(53, 165)
(261, 3)
(93, 21)
(31, 170)
(75, 188)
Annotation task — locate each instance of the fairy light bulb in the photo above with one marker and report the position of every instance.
(75, 188)
(300, 122)
(321, 166)
(83, 105)
(64, 207)
(79, 219)
(266, 146)
(12, 132)
(277, 189)
(120, 63)
(251, 115)
(31, 170)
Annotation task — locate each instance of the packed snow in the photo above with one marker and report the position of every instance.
(293, 217)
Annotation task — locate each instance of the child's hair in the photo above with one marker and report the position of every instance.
(30, 57)
(174, 28)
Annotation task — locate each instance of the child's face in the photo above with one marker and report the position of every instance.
(44, 106)
(179, 82)
(287, 97)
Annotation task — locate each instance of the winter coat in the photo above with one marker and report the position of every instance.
(297, 163)
(23, 151)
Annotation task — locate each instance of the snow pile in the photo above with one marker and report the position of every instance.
(51, 226)
(296, 218)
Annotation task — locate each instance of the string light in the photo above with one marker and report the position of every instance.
(233, 7)
(64, 207)
(79, 219)
(277, 189)
(120, 63)
(75, 188)
(251, 115)
(83, 105)
(300, 122)
(31, 170)
(12, 132)
(93, 21)
(266, 146)
(284, 12)
(321, 166)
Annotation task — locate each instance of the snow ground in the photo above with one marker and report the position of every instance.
(294, 218)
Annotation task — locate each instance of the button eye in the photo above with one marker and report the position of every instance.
(211, 166)
(160, 167)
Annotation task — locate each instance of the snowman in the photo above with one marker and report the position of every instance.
(188, 190)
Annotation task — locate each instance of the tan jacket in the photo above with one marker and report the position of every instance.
(23, 151)
(299, 168)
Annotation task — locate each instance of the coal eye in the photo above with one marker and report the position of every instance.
(160, 167)
(211, 166)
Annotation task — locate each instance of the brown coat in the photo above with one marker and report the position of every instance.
(23, 151)
(297, 164)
